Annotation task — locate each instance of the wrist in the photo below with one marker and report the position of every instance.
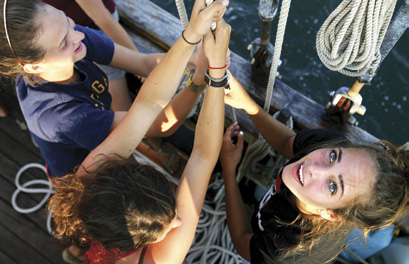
(190, 37)
(217, 78)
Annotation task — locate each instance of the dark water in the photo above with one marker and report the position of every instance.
(386, 98)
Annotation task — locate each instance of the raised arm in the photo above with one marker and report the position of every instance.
(237, 218)
(158, 88)
(101, 16)
(193, 185)
(279, 136)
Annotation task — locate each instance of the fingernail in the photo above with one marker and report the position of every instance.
(225, 2)
(241, 133)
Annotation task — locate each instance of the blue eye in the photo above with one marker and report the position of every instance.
(333, 188)
(333, 156)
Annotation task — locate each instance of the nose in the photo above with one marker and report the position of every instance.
(76, 36)
(317, 169)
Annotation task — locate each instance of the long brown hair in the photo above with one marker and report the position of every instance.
(121, 205)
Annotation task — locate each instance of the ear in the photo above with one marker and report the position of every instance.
(330, 215)
(33, 68)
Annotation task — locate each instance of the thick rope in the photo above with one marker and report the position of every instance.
(282, 22)
(182, 13)
(350, 38)
(260, 149)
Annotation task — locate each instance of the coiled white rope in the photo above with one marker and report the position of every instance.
(47, 191)
(212, 242)
(350, 38)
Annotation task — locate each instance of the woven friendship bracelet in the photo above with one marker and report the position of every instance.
(194, 87)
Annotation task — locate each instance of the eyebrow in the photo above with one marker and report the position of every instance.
(339, 155)
(341, 180)
(65, 37)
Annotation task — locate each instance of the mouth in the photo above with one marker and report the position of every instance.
(300, 175)
(79, 48)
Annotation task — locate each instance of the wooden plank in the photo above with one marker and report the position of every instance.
(5, 258)
(158, 25)
(20, 250)
(30, 228)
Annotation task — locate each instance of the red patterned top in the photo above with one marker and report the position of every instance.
(98, 254)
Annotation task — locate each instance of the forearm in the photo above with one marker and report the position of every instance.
(134, 61)
(211, 118)
(153, 96)
(237, 218)
(278, 135)
(176, 112)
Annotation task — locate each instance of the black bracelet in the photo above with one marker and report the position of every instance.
(188, 42)
(221, 82)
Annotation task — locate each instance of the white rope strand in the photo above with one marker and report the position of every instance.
(182, 13)
(282, 22)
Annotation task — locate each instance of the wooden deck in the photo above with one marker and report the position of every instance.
(24, 237)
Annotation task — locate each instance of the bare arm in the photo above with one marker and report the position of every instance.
(101, 16)
(175, 113)
(279, 136)
(237, 218)
(157, 90)
(193, 185)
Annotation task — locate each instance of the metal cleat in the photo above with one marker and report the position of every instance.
(261, 50)
(347, 101)
(343, 105)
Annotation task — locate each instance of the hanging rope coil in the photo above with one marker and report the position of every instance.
(350, 38)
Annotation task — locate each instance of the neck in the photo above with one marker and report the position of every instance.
(70, 76)
(303, 207)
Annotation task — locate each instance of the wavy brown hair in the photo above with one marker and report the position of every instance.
(122, 205)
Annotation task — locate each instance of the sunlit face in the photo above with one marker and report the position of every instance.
(330, 178)
(60, 40)
(176, 222)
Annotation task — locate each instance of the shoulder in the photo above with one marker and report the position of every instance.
(100, 48)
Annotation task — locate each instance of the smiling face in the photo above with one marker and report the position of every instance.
(60, 40)
(330, 178)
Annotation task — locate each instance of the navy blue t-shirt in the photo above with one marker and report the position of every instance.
(272, 238)
(67, 121)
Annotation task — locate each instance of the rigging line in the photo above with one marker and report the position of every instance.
(282, 22)
(180, 4)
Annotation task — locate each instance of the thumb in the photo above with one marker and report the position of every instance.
(240, 139)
